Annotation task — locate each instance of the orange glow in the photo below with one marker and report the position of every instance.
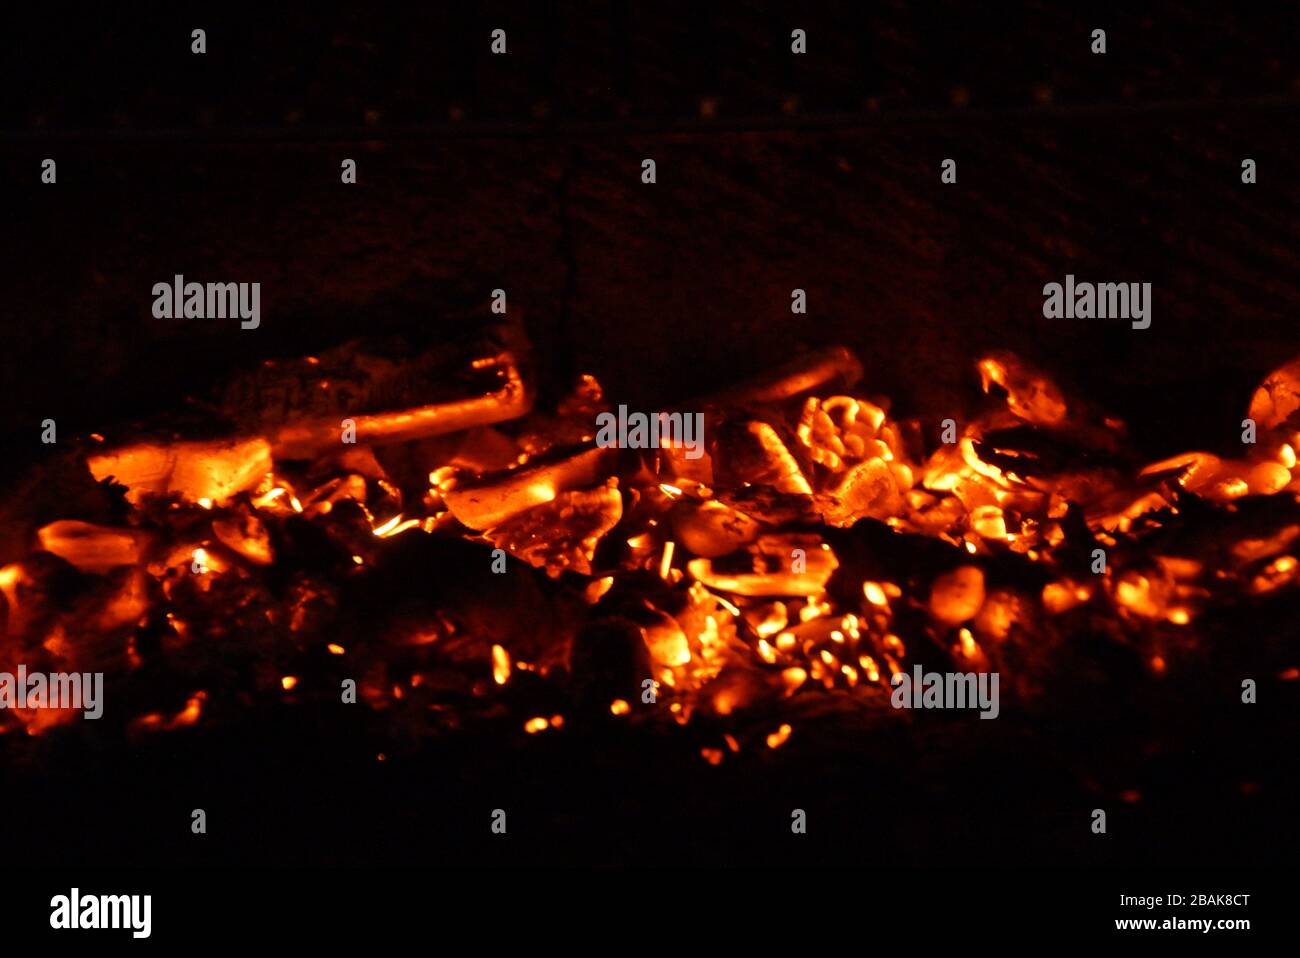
(778, 738)
(666, 563)
(596, 589)
(156, 722)
(721, 576)
(266, 499)
(500, 665)
(395, 526)
(1060, 597)
(793, 677)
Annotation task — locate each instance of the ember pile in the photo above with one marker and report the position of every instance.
(412, 525)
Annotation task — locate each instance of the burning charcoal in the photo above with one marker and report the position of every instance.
(769, 506)
(766, 619)
(738, 686)
(244, 533)
(1034, 397)
(932, 515)
(1002, 609)
(1222, 544)
(711, 529)
(1223, 480)
(36, 589)
(158, 722)
(842, 428)
(859, 470)
(781, 564)
(484, 450)
(482, 504)
(124, 604)
(60, 487)
(354, 487)
(814, 559)
(1029, 452)
(687, 635)
(93, 548)
(665, 639)
(422, 467)
(754, 452)
(353, 461)
(88, 630)
(573, 424)
(866, 490)
(1031, 394)
(673, 463)
(213, 470)
(957, 596)
(1277, 399)
(690, 636)
(562, 534)
(349, 531)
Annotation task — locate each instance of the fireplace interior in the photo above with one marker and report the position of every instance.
(361, 575)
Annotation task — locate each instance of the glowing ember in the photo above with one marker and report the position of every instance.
(779, 737)
(817, 549)
(500, 665)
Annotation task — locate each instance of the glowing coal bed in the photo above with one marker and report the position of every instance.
(428, 573)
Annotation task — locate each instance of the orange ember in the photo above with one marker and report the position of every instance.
(815, 549)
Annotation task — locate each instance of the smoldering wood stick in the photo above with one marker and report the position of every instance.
(213, 470)
(491, 500)
(294, 409)
(501, 396)
(833, 364)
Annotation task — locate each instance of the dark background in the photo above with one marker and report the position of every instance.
(523, 172)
